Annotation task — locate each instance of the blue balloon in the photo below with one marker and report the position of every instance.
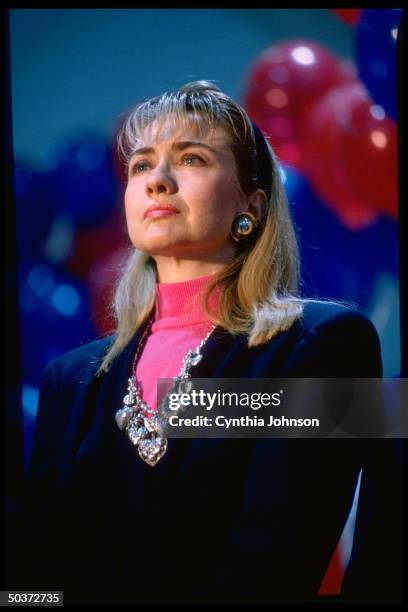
(336, 262)
(55, 317)
(376, 55)
(34, 210)
(83, 181)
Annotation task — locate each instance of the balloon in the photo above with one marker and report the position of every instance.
(55, 317)
(34, 210)
(375, 45)
(97, 244)
(337, 262)
(58, 244)
(324, 156)
(370, 155)
(284, 81)
(83, 181)
(349, 16)
(101, 281)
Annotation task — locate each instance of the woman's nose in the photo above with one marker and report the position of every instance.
(160, 181)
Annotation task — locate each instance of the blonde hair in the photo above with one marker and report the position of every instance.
(258, 287)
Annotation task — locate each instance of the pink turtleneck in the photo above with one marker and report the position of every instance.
(179, 325)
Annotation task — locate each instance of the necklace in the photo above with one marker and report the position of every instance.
(145, 427)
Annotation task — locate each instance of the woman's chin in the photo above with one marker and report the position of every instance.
(161, 246)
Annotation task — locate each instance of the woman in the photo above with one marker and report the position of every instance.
(118, 512)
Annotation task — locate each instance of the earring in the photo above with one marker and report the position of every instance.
(242, 226)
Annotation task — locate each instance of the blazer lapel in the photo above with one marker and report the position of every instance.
(220, 355)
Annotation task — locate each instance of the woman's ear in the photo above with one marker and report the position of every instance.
(257, 204)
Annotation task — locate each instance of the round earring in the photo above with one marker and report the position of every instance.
(242, 226)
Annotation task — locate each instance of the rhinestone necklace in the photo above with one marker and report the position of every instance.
(146, 428)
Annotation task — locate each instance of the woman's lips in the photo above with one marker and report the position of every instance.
(160, 212)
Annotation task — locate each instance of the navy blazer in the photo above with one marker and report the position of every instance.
(216, 520)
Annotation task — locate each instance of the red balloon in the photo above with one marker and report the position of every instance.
(284, 81)
(93, 245)
(350, 16)
(324, 165)
(371, 159)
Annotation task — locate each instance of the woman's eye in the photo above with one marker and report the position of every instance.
(189, 160)
(192, 158)
(139, 167)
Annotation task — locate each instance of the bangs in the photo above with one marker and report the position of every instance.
(177, 110)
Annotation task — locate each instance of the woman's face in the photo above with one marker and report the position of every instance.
(196, 176)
